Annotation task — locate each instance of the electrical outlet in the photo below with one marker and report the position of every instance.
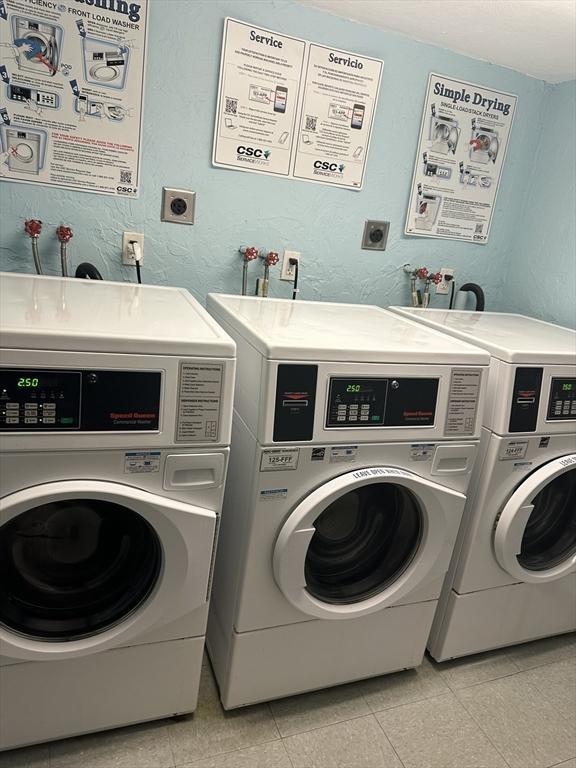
(178, 205)
(127, 252)
(444, 286)
(289, 270)
(375, 235)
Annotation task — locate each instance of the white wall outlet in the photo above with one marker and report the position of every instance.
(289, 270)
(444, 286)
(127, 252)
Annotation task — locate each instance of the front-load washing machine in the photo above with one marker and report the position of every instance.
(24, 148)
(354, 434)
(105, 63)
(38, 45)
(513, 576)
(115, 414)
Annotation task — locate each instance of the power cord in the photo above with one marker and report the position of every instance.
(137, 253)
(295, 263)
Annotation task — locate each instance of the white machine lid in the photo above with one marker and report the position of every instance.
(508, 337)
(281, 329)
(99, 316)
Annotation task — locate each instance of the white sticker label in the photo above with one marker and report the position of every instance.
(463, 402)
(519, 466)
(380, 472)
(279, 459)
(199, 395)
(273, 494)
(344, 453)
(136, 462)
(421, 451)
(515, 449)
(568, 461)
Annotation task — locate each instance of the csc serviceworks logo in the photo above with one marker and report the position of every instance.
(325, 167)
(243, 151)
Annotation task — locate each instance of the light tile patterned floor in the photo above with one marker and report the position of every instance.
(507, 709)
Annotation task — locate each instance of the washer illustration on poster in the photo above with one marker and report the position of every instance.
(38, 45)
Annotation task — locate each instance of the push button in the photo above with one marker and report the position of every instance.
(49, 420)
(12, 420)
(30, 420)
(12, 406)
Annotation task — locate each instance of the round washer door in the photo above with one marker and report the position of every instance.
(535, 535)
(85, 566)
(364, 540)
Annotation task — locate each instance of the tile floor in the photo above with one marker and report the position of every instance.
(506, 709)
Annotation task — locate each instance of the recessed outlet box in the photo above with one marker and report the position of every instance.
(127, 249)
(375, 235)
(289, 270)
(178, 205)
(447, 277)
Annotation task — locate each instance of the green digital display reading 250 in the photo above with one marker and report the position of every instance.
(567, 386)
(353, 388)
(28, 383)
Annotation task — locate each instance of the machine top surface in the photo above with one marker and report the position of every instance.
(508, 337)
(312, 330)
(67, 314)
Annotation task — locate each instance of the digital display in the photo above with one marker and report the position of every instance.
(32, 382)
(567, 386)
(27, 382)
(359, 388)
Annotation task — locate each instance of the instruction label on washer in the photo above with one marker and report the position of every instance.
(463, 402)
(71, 92)
(199, 397)
(137, 462)
(273, 494)
(343, 453)
(421, 451)
(279, 459)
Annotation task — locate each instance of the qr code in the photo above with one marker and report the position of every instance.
(126, 177)
(231, 106)
(311, 123)
(479, 228)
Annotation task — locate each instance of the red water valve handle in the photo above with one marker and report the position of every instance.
(421, 273)
(249, 253)
(64, 234)
(271, 258)
(33, 227)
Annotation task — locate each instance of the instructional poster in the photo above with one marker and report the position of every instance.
(463, 141)
(71, 91)
(339, 101)
(292, 108)
(260, 75)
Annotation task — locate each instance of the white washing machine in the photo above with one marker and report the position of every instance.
(105, 63)
(24, 147)
(115, 414)
(354, 434)
(42, 50)
(513, 577)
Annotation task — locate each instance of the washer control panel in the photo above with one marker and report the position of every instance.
(381, 402)
(562, 402)
(64, 400)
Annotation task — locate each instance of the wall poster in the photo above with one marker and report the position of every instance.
(461, 152)
(71, 91)
(291, 108)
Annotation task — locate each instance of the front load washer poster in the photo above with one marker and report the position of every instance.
(461, 152)
(288, 107)
(71, 92)
(258, 96)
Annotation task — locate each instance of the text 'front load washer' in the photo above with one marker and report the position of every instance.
(115, 414)
(513, 577)
(353, 438)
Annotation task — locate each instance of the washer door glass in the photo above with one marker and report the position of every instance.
(550, 534)
(73, 568)
(362, 542)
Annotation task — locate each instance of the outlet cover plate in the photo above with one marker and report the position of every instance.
(375, 235)
(127, 254)
(178, 205)
(444, 286)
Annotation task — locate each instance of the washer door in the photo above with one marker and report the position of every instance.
(88, 565)
(363, 540)
(535, 535)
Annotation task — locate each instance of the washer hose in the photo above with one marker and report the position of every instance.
(478, 293)
(87, 271)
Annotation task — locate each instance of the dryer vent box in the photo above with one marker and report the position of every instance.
(375, 235)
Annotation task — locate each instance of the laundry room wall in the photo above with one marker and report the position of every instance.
(235, 208)
(541, 276)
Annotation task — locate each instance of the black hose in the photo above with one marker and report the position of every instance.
(87, 271)
(452, 293)
(478, 293)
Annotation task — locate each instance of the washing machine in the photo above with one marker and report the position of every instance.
(513, 577)
(354, 434)
(115, 415)
(105, 63)
(444, 133)
(24, 147)
(38, 45)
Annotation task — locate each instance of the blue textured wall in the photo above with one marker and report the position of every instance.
(236, 208)
(541, 278)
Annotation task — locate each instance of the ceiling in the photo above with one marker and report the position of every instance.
(536, 37)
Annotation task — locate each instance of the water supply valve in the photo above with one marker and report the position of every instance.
(249, 253)
(33, 227)
(64, 234)
(271, 259)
